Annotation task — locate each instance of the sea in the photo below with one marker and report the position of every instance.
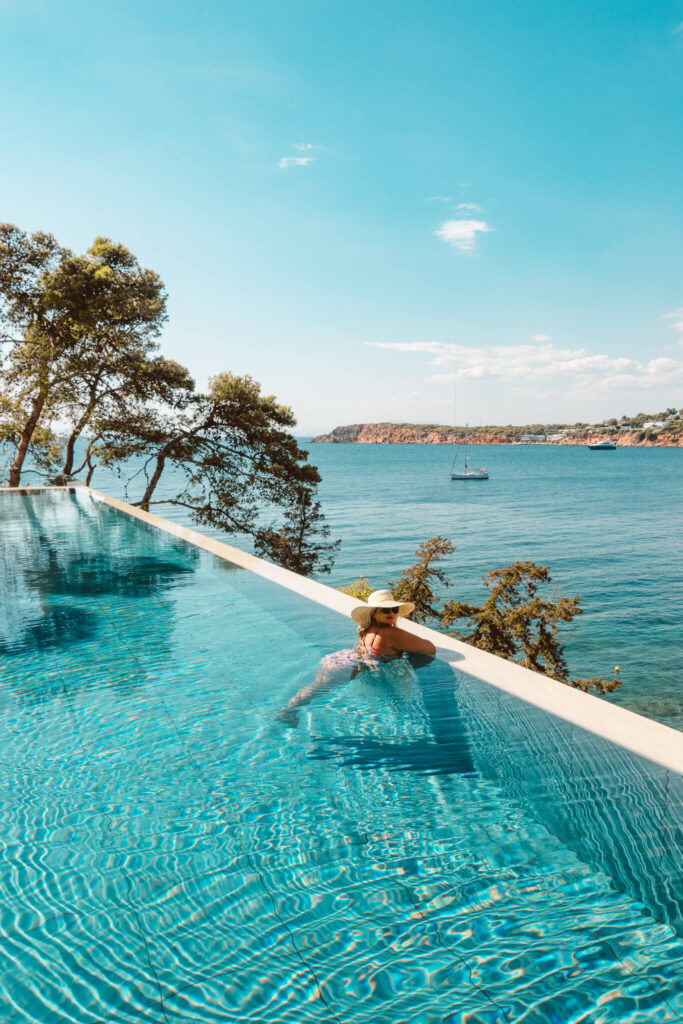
(608, 524)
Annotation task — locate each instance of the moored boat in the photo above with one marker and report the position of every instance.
(466, 473)
(602, 446)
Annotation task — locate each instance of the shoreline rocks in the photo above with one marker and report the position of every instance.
(404, 433)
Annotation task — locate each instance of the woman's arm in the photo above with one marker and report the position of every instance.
(404, 641)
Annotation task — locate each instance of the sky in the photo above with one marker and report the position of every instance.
(444, 211)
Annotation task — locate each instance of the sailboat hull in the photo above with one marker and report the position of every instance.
(467, 473)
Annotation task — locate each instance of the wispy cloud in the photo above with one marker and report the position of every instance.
(579, 371)
(299, 161)
(470, 207)
(439, 199)
(678, 30)
(540, 337)
(462, 234)
(677, 318)
(295, 161)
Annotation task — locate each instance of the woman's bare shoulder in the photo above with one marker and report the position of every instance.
(406, 641)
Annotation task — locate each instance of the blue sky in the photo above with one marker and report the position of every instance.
(370, 206)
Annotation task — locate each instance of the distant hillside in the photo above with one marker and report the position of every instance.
(655, 429)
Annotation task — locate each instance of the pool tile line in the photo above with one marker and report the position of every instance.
(643, 736)
(289, 931)
(452, 952)
(200, 772)
(143, 936)
(201, 775)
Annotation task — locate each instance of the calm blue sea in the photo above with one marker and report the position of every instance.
(607, 523)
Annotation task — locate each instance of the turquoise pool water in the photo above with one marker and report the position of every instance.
(608, 525)
(172, 852)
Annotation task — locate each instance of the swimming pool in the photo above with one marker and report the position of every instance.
(172, 852)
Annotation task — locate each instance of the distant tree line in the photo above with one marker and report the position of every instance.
(516, 621)
(80, 360)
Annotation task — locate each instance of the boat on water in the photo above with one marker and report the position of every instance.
(602, 446)
(467, 472)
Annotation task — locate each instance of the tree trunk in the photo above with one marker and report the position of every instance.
(147, 496)
(25, 439)
(67, 469)
(78, 429)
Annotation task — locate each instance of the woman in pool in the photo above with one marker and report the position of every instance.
(380, 640)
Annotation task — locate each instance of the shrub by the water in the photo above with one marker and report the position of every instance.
(516, 621)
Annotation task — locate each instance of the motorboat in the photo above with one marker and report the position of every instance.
(602, 446)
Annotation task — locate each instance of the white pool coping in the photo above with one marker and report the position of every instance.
(642, 736)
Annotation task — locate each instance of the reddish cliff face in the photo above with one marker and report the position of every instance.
(397, 433)
(403, 433)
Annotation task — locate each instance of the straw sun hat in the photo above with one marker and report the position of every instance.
(362, 613)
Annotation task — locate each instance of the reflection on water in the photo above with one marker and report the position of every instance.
(49, 626)
(56, 557)
(85, 575)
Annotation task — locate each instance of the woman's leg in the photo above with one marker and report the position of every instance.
(326, 679)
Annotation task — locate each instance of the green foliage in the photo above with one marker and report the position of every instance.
(597, 683)
(61, 315)
(302, 543)
(416, 582)
(233, 449)
(78, 342)
(360, 589)
(515, 622)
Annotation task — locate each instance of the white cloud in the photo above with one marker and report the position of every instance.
(541, 337)
(462, 234)
(439, 199)
(299, 161)
(577, 371)
(677, 317)
(295, 161)
(470, 207)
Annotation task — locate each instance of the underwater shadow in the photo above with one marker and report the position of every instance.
(58, 626)
(99, 574)
(446, 752)
(419, 756)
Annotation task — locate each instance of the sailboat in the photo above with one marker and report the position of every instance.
(466, 473)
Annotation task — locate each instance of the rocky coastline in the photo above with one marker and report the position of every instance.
(407, 433)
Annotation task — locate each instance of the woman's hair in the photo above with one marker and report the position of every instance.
(362, 630)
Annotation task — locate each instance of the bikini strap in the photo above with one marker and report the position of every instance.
(372, 645)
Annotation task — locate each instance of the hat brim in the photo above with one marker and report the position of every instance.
(362, 613)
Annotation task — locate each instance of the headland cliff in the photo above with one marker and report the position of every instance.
(639, 432)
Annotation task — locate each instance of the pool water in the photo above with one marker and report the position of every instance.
(171, 851)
